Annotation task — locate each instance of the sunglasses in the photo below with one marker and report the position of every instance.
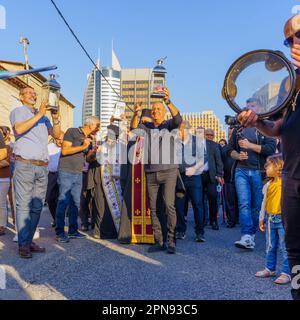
(289, 42)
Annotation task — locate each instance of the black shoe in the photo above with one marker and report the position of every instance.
(62, 238)
(77, 235)
(200, 238)
(53, 224)
(157, 248)
(215, 226)
(172, 249)
(180, 236)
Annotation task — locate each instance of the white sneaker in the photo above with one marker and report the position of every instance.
(245, 243)
(253, 241)
(15, 239)
(37, 234)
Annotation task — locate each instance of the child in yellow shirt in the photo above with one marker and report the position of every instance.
(271, 222)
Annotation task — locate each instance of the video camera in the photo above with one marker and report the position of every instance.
(232, 122)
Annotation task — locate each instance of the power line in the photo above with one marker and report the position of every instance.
(85, 51)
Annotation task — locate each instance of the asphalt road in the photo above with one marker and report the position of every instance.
(105, 270)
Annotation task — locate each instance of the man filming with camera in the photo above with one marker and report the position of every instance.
(250, 149)
(288, 128)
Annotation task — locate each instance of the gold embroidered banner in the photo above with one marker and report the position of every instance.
(142, 232)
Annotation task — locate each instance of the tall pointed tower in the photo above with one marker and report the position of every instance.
(102, 94)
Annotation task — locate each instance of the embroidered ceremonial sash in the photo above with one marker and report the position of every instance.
(110, 169)
(142, 232)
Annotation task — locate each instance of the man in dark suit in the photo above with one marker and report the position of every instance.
(212, 175)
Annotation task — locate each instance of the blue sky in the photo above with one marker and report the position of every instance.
(201, 39)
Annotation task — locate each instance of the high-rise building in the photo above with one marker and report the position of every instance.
(207, 120)
(110, 95)
(91, 102)
(137, 87)
(268, 95)
(102, 93)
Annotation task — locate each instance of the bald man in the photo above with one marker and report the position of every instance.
(288, 129)
(161, 167)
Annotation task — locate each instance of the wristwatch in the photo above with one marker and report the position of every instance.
(168, 102)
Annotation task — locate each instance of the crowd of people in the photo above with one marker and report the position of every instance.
(137, 184)
(123, 187)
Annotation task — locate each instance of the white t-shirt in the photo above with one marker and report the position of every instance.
(54, 155)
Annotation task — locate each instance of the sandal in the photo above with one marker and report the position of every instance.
(283, 279)
(2, 231)
(265, 274)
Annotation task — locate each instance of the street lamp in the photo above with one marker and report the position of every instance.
(51, 92)
(158, 81)
(25, 43)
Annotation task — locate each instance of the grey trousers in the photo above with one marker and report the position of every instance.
(167, 179)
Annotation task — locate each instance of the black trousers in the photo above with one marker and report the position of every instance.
(231, 203)
(52, 193)
(210, 189)
(85, 202)
(193, 186)
(291, 217)
(167, 180)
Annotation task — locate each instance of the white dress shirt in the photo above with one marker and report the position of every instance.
(206, 166)
(54, 156)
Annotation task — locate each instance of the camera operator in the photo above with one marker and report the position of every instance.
(288, 129)
(249, 149)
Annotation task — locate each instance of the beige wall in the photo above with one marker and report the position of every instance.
(9, 94)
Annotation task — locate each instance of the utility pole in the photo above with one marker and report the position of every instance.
(25, 42)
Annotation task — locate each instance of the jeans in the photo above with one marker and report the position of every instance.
(249, 191)
(70, 186)
(4, 188)
(194, 193)
(275, 237)
(291, 210)
(30, 186)
(168, 180)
